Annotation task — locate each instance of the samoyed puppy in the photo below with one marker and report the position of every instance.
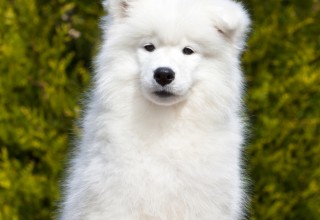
(162, 131)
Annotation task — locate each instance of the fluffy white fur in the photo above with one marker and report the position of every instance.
(144, 157)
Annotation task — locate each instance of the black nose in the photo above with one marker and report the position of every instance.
(163, 75)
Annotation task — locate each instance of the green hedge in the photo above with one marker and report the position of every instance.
(282, 65)
(46, 49)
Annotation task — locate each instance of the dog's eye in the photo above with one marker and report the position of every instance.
(187, 51)
(149, 47)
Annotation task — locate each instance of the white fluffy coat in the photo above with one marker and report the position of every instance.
(142, 157)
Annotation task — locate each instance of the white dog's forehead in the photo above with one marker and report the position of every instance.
(171, 21)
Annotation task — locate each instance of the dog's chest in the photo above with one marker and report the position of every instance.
(168, 182)
(170, 172)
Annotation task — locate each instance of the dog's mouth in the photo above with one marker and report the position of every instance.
(164, 94)
(165, 97)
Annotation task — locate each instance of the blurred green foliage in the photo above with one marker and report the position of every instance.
(46, 49)
(282, 65)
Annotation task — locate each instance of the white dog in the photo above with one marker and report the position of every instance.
(162, 132)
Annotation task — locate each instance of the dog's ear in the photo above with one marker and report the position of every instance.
(232, 21)
(117, 9)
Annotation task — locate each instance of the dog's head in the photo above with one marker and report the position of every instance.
(178, 44)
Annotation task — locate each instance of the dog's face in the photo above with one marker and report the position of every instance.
(172, 41)
(167, 71)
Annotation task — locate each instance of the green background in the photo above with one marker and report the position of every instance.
(46, 49)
